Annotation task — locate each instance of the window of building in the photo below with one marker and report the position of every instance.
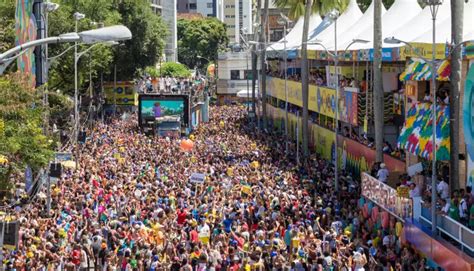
(248, 74)
(192, 6)
(234, 75)
(210, 15)
(230, 16)
(209, 5)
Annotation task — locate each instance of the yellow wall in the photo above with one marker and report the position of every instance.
(276, 88)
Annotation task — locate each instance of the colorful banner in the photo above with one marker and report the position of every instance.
(357, 158)
(124, 93)
(468, 123)
(469, 50)
(321, 99)
(423, 49)
(420, 70)
(353, 156)
(386, 197)
(348, 108)
(323, 141)
(416, 135)
(25, 31)
(388, 54)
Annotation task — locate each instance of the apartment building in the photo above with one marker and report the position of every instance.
(167, 9)
(236, 14)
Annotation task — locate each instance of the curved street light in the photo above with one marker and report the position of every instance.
(335, 56)
(432, 63)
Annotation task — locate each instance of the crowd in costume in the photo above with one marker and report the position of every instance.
(132, 206)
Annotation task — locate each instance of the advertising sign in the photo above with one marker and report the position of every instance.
(322, 100)
(386, 197)
(124, 94)
(197, 178)
(424, 49)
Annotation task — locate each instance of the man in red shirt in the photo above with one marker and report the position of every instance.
(182, 214)
(76, 256)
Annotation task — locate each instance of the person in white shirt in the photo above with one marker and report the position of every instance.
(414, 190)
(382, 174)
(443, 189)
(463, 211)
(445, 208)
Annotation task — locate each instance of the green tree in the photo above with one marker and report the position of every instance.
(149, 33)
(298, 8)
(174, 70)
(97, 61)
(200, 37)
(7, 27)
(21, 138)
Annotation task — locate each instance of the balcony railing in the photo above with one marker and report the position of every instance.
(463, 236)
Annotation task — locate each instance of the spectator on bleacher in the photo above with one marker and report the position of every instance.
(382, 174)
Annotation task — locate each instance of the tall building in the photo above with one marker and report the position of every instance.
(236, 14)
(275, 30)
(237, 17)
(207, 8)
(169, 14)
(156, 6)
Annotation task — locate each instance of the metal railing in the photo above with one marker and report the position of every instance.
(452, 228)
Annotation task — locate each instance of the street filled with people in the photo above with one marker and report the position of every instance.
(132, 205)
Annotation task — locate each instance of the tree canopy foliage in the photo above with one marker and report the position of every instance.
(148, 30)
(200, 37)
(172, 69)
(22, 140)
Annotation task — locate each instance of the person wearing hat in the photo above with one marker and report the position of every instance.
(382, 173)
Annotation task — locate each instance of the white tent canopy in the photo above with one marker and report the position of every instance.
(399, 13)
(443, 28)
(356, 27)
(344, 22)
(297, 30)
(418, 25)
(295, 36)
(405, 20)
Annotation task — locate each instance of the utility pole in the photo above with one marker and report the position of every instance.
(263, 71)
(378, 85)
(305, 76)
(457, 12)
(255, 60)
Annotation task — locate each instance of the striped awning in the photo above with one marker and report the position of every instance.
(416, 135)
(418, 69)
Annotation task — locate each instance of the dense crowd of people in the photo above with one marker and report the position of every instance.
(132, 206)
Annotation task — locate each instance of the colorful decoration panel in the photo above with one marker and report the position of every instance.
(353, 156)
(468, 122)
(322, 100)
(25, 28)
(416, 135)
(420, 70)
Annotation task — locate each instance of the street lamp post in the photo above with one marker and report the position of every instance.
(335, 56)
(434, 6)
(47, 7)
(285, 21)
(77, 16)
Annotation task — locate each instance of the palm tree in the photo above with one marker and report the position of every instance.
(378, 85)
(456, 58)
(298, 8)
